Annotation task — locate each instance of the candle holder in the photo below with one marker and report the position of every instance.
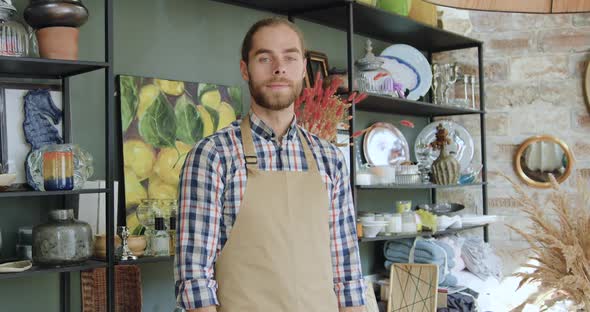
(123, 252)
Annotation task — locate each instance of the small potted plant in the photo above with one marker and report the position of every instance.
(57, 25)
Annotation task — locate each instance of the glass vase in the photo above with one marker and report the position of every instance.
(62, 241)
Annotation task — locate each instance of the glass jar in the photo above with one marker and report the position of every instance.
(145, 212)
(62, 241)
(408, 222)
(378, 81)
(58, 167)
(14, 36)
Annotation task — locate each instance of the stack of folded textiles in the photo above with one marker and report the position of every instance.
(427, 251)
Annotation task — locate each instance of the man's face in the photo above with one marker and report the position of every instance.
(276, 67)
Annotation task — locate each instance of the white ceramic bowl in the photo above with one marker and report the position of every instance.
(364, 179)
(367, 219)
(371, 230)
(7, 179)
(381, 223)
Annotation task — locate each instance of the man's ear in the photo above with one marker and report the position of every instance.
(244, 70)
(304, 67)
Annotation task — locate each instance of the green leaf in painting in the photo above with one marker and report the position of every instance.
(235, 93)
(189, 126)
(158, 124)
(129, 99)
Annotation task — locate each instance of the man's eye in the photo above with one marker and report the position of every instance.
(264, 59)
(291, 58)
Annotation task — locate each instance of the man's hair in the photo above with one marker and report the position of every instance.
(269, 22)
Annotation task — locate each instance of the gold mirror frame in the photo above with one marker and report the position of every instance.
(519, 153)
(587, 86)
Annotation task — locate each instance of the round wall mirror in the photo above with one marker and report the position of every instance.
(539, 156)
(587, 86)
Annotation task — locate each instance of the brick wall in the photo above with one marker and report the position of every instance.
(534, 67)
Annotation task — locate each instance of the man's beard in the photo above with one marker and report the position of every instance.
(275, 100)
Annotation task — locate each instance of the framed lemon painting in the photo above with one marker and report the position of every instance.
(161, 121)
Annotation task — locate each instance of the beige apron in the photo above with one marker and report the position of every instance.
(277, 258)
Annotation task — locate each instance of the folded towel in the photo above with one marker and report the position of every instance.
(450, 253)
(423, 248)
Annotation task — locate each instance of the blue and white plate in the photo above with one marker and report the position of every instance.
(409, 67)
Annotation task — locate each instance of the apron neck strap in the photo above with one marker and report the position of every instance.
(312, 166)
(251, 158)
(248, 144)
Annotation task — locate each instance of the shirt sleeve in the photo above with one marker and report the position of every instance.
(199, 218)
(348, 277)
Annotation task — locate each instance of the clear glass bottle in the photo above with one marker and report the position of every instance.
(160, 246)
(146, 211)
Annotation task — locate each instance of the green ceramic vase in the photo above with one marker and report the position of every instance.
(445, 169)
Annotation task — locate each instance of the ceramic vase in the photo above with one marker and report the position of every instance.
(62, 241)
(445, 169)
(57, 22)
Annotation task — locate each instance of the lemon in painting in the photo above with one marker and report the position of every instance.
(139, 157)
(226, 115)
(206, 118)
(211, 98)
(170, 87)
(160, 190)
(147, 96)
(169, 163)
(134, 191)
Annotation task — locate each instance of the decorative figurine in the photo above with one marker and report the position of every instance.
(123, 252)
(445, 169)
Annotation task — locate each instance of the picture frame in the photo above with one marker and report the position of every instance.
(316, 62)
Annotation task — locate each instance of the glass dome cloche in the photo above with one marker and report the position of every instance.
(371, 77)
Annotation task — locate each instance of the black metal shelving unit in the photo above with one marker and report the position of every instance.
(26, 67)
(21, 193)
(88, 265)
(360, 19)
(418, 234)
(148, 259)
(415, 186)
(389, 105)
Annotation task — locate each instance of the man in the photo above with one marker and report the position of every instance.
(266, 219)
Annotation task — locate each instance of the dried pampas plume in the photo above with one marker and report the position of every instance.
(561, 246)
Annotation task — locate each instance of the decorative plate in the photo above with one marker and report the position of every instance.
(401, 60)
(385, 145)
(462, 142)
(16, 266)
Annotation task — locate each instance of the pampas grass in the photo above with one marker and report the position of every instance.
(560, 246)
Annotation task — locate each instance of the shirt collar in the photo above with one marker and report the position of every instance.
(262, 129)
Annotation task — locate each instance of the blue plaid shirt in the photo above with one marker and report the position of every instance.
(212, 184)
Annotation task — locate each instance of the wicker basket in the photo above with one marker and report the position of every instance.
(127, 289)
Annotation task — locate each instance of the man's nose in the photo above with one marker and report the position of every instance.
(280, 68)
